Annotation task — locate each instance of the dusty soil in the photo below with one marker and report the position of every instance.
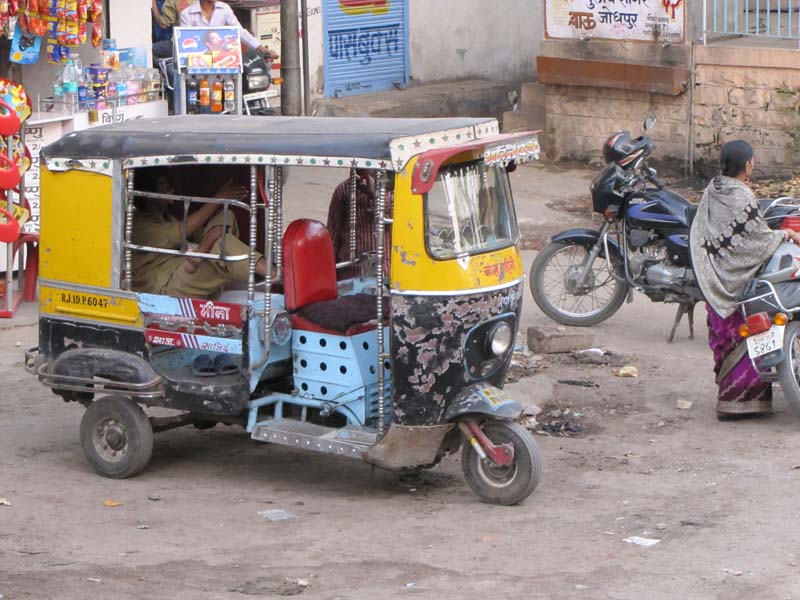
(719, 496)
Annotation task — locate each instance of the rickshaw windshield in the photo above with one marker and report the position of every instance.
(469, 210)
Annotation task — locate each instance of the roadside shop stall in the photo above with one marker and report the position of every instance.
(70, 65)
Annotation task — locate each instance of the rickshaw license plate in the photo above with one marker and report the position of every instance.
(764, 343)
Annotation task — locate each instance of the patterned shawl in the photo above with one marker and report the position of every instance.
(729, 241)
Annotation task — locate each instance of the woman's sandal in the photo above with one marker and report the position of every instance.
(224, 365)
(202, 366)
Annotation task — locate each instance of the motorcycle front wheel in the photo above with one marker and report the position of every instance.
(788, 375)
(554, 284)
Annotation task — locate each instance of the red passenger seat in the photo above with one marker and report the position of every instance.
(309, 276)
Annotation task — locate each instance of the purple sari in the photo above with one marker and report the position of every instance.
(740, 390)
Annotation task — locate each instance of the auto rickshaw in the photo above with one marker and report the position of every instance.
(395, 368)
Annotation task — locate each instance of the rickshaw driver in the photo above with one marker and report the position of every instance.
(179, 276)
(339, 222)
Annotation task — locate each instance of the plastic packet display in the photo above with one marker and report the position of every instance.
(25, 47)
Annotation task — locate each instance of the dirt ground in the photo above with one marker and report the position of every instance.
(717, 496)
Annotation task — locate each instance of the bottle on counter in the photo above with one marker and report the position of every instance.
(70, 79)
(122, 88)
(230, 96)
(133, 84)
(217, 93)
(84, 85)
(58, 91)
(192, 96)
(204, 96)
(154, 85)
(143, 77)
(111, 88)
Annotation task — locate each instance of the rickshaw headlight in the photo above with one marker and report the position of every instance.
(281, 328)
(500, 338)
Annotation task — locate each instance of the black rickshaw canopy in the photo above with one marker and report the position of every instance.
(281, 141)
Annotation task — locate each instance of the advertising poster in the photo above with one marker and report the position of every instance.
(638, 20)
(208, 49)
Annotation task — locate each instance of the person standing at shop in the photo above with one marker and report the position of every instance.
(211, 13)
(165, 16)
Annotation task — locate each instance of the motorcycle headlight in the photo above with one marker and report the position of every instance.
(257, 82)
(499, 339)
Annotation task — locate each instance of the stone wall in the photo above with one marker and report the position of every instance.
(740, 92)
(580, 119)
(750, 94)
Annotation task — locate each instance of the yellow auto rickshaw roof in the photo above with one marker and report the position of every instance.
(296, 141)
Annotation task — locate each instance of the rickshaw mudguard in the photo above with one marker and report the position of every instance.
(79, 366)
(113, 364)
(405, 447)
(483, 399)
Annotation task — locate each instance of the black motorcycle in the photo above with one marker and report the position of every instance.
(582, 276)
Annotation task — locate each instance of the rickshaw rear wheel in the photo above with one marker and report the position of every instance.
(504, 485)
(117, 437)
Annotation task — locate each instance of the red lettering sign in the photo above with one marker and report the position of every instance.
(363, 7)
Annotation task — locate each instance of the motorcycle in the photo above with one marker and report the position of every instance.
(583, 276)
(256, 85)
(771, 306)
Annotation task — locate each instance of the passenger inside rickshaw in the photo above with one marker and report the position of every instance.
(157, 225)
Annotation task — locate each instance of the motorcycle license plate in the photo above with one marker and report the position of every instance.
(764, 343)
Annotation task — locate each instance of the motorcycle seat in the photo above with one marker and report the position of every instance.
(787, 291)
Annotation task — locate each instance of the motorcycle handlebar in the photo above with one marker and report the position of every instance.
(655, 181)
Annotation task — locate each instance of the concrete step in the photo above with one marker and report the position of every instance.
(471, 98)
(533, 94)
(524, 119)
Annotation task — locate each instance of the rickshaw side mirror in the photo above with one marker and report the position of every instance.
(511, 167)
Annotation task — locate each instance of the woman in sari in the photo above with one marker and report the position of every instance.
(730, 240)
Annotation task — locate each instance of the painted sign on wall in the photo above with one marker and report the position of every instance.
(366, 46)
(640, 20)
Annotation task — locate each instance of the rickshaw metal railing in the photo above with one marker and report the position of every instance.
(278, 225)
(145, 390)
(187, 201)
(129, 212)
(251, 280)
(380, 242)
(269, 245)
(352, 212)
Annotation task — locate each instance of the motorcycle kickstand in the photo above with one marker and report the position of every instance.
(684, 308)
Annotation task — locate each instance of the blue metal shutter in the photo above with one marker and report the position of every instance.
(367, 50)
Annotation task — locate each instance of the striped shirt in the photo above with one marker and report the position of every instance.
(339, 226)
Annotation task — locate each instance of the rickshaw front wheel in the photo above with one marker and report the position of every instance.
(504, 485)
(116, 437)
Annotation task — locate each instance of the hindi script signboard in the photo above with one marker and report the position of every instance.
(639, 20)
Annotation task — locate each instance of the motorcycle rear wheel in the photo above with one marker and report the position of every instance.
(789, 368)
(550, 275)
